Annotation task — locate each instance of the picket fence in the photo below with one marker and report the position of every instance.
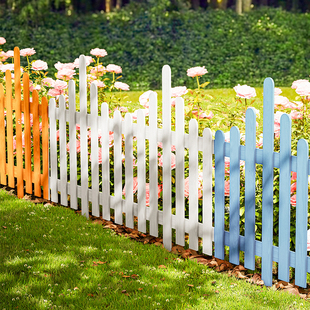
(11, 166)
(103, 124)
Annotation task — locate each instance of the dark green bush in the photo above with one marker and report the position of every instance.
(235, 49)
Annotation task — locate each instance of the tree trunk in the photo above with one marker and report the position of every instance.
(118, 4)
(218, 4)
(246, 5)
(107, 6)
(239, 7)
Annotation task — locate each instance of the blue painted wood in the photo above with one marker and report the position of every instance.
(219, 198)
(301, 213)
(267, 199)
(250, 146)
(234, 199)
(284, 197)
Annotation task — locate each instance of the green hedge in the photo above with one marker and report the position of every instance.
(234, 49)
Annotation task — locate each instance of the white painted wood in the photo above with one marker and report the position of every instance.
(207, 236)
(105, 195)
(179, 173)
(166, 107)
(72, 145)
(83, 138)
(193, 185)
(141, 171)
(153, 164)
(53, 150)
(128, 133)
(118, 167)
(62, 151)
(94, 150)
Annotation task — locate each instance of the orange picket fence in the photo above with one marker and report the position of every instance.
(28, 160)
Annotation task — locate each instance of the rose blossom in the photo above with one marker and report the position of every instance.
(293, 200)
(60, 85)
(27, 52)
(298, 82)
(296, 115)
(303, 89)
(10, 67)
(98, 70)
(144, 98)
(227, 188)
(2, 40)
(122, 86)
(3, 56)
(196, 71)
(178, 91)
(99, 52)
(281, 100)
(39, 65)
(65, 74)
(54, 92)
(10, 53)
(114, 68)
(293, 187)
(135, 113)
(277, 91)
(99, 83)
(60, 66)
(186, 188)
(245, 91)
(134, 186)
(48, 82)
(308, 240)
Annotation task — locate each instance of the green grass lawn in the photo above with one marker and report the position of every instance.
(52, 258)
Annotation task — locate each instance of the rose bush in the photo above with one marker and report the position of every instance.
(218, 115)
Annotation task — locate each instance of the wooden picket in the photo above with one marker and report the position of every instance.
(14, 107)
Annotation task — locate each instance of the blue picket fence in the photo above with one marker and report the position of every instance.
(270, 160)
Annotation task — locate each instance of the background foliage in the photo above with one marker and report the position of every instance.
(235, 49)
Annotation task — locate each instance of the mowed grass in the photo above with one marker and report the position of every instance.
(52, 258)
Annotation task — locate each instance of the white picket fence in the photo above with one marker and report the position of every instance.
(103, 124)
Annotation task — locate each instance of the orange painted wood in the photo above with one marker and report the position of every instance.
(19, 146)
(45, 146)
(2, 139)
(27, 134)
(9, 117)
(36, 144)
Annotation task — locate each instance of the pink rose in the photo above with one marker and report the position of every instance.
(294, 176)
(226, 188)
(178, 91)
(303, 89)
(99, 83)
(33, 87)
(308, 240)
(99, 52)
(245, 91)
(10, 67)
(114, 68)
(280, 100)
(48, 82)
(298, 82)
(122, 86)
(293, 200)
(134, 186)
(2, 40)
(65, 74)
(277, 91)
(296, 115)
(144, 99)
(98, 70)
(60, 85)
(293, 187)
(60, 66)
(78, 146)
(196, 71)
(3, 56)
(123, 109)
(27, 52)
(10, 53)
(39, 65)
(54, 92)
